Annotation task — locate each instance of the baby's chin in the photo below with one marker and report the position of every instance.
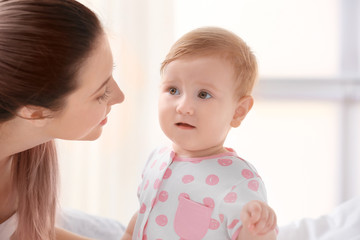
(191, 152)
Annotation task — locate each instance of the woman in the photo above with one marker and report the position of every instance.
(55, 82)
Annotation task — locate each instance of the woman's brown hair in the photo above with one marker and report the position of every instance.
(42, 46)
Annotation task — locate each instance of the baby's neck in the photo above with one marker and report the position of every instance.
(186, 153)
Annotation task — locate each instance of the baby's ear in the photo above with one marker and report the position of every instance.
(243, 107)
(36, 115)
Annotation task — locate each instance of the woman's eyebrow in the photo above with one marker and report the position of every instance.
(102, 85)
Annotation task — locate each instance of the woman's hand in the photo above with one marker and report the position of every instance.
(62, 234)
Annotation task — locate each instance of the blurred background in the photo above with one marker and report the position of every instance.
(302, 134)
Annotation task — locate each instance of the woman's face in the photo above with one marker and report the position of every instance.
(86, 109)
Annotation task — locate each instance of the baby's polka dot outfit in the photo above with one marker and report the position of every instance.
(195, 198)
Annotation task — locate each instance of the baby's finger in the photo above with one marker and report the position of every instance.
(251, 214)
(262, 222)
(250, 211)
(270, 225)
(255, 212)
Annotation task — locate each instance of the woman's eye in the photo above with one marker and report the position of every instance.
(204, 95)
(173, 91)
(105, 96)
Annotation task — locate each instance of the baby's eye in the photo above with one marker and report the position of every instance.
(204, 95)
(173, 91)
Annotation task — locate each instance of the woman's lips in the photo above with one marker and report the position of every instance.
(103, 122)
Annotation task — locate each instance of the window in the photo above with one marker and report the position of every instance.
(301, 135)
(303, 129)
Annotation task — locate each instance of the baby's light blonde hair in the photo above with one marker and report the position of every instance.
(215, 41)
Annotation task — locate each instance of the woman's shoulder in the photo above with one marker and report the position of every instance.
(62, 234)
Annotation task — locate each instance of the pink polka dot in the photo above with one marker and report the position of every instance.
(253, 185)
(167, 173)
(214, 224)
(247, 173)
(225, 162)
(233, 224)
(221, 216)
(153, 163)
(230, 197)
(209, 202)
(146, 184)
(212, 180)
(187, 179)
(161, 220)
(163, 196)
(236, 233)
(157, 184)
(184, 195)
(143, 208)
(163, 165)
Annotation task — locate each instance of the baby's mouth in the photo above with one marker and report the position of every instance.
(184, 125)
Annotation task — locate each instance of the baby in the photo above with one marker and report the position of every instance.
(198, 189)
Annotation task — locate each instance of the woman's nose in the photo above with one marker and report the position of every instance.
(117, 96)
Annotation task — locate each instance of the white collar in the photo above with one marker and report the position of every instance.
(8, 227)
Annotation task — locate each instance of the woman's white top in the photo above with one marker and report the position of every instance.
(8, 227)
(78, 222)
(343, 223)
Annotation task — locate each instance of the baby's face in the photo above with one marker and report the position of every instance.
(197, 103)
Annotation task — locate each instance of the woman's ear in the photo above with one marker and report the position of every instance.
(243, 107)
(36, 115)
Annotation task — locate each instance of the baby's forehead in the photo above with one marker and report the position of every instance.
(197, 57)
(220, 54)
(199, 69)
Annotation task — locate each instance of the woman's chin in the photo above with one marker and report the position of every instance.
(92, 136)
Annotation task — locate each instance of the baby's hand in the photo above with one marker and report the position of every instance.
(258, 218)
